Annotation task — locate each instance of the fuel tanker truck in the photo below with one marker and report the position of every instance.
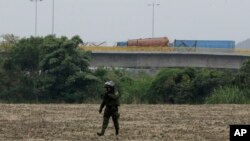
(149, 42)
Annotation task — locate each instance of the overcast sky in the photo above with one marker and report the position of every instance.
(119, 20)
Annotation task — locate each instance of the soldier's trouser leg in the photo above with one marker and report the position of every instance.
(105, 124)
(115, 118)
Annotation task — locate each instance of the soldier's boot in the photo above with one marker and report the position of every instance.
(101, 133)
(116, 129)
(117, 132)
(116, 124)
(104, 126)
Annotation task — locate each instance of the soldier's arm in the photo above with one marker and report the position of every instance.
(114, 96)
(102, 106)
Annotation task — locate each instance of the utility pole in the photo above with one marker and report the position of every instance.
(153, 17)
(35, 15)
(53, 17)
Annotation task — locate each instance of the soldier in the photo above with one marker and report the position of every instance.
(111, 101)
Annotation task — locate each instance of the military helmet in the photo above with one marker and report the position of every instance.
(109, 84)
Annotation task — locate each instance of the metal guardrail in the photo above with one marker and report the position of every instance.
(165, 49)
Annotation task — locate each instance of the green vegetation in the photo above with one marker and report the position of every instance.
(184, 86)
(46, 69)
(228, 95)
(55, 70)
(243, 77)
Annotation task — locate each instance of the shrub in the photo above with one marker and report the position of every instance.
(208, 79)
(185, 85)
(135, 90)
(243, 78)
(171, 85)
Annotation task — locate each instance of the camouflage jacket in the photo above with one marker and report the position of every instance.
(110, 99)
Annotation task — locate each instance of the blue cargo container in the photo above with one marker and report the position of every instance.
(122, 44)
(205, 44)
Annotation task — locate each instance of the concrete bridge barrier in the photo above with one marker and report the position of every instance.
(162, 60)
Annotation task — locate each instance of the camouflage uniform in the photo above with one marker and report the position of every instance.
(111, 101)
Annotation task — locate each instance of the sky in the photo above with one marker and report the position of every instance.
(120, 20)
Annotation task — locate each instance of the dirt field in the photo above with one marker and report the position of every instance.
(138, 122)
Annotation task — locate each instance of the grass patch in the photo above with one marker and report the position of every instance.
(228, 95)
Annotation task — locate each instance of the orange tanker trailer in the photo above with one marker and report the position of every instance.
(149, 42)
